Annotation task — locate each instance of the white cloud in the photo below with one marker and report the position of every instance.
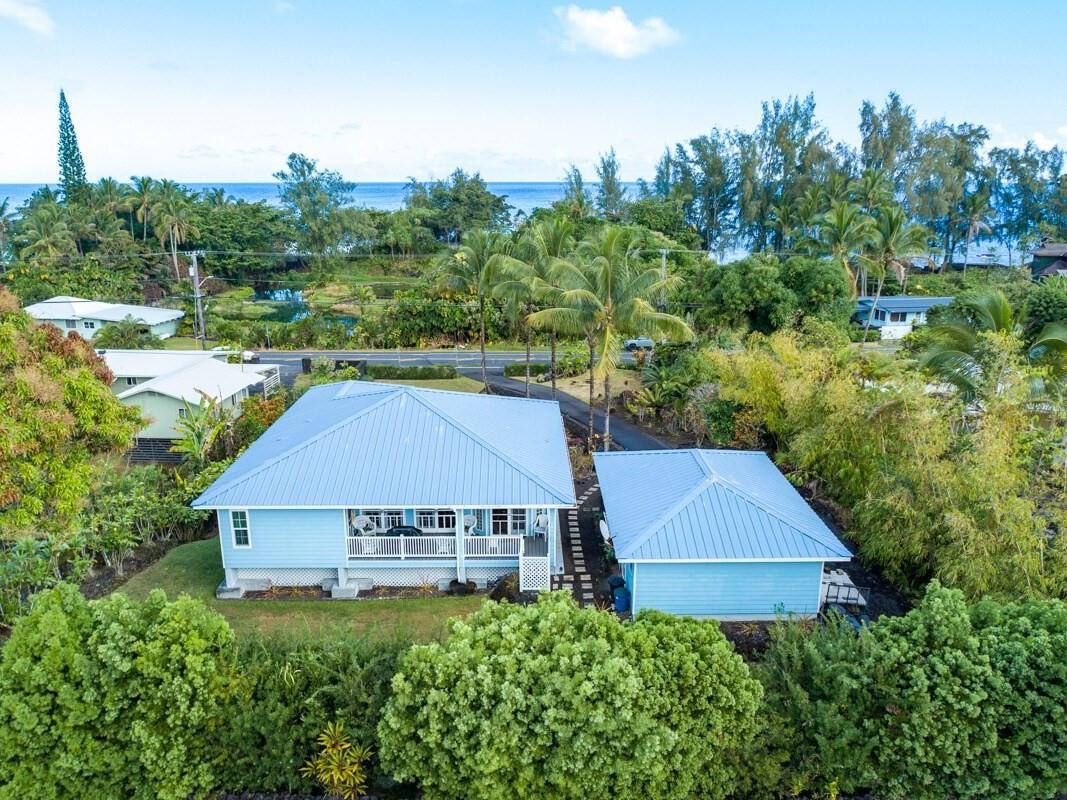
(29, 14)
(613, 32)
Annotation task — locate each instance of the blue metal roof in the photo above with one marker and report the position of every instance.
(359, 444)
(664, 505)
(903, 303)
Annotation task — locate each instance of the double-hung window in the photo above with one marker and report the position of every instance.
(897, 316)
(89, 324)
(242, 532)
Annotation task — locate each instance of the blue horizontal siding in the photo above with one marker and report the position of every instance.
(727, 590)
(306, 537)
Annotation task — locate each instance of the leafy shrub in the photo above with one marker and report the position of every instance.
(414, 373)
(572, 360)
(519, 370)
(116, 698)
(1046, 303)
(555, 701)
(856, 333)
(289, 692)
(947, 701)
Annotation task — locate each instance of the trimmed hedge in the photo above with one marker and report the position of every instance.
(423, 373)
(519, 370)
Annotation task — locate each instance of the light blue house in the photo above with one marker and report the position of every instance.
(364, 484)
(896, 316)
(714, 533)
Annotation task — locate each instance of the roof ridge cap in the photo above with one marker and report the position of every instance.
(803, 530)
(213, 489)
(487, 445)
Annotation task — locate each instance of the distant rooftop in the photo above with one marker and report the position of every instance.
(182, 375)
(904, 303)
(1051, 250)
(66, 307)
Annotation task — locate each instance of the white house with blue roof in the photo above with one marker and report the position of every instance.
(363, 484)
(714, 533)
(896, 316)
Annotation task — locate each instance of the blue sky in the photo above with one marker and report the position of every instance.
(223, 91)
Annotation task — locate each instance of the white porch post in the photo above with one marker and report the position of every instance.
(461, 567)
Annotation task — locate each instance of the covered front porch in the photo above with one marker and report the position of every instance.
(527, 537)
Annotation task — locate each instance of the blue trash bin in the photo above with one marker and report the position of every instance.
(622, 599)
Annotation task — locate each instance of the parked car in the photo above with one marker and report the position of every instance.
(640, 343)
(404, 530)
(249, 357)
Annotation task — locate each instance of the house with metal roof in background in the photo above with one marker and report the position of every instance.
(896, 316)
(1048, 260)
(165, 385)
(714, 533)
(89, 317)
(364, 484)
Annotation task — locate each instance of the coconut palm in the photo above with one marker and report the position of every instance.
(528, 277)
(44, 235)
(466, 270)
(956, 354)
(893, 242)
(872, 190)
(171, 218)
(144, 195)
(843, 231)
(975, 212)
(607, 292)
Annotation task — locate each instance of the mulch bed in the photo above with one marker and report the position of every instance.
(290, 593)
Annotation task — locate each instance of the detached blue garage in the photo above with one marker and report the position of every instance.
(714, 533)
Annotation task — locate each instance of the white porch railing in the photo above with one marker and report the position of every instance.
(402, 547)
(492, 546)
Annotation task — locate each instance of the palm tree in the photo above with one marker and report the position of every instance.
(144, 194)
(201, 425)
(843, 231)
(466, 270)
(127, 333)
(872, 190)
(975, 212)
(893, 242)
(44, 235)
(528, 277)
(607, 292)
(172, 219)
(956, 352)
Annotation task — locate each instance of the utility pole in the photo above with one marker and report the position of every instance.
(199, 328)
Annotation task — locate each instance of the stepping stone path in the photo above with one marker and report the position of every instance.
(578, 581)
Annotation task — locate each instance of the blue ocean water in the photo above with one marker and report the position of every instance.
(523, 196)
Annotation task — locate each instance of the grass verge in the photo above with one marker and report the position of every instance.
(196, 569)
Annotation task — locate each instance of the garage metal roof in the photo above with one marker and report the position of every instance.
(708, 505)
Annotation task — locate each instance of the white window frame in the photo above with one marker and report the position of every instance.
(513, 522)
(383, 518)
(88, 324)
(247, 528)
(70, 324)
(430, 519)
(898, 316)
(131, 381)
(183, 412)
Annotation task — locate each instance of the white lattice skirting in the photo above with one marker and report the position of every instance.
(534, 574)
(294, 576)
(414, 576)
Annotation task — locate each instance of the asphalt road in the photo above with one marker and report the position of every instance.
(466, 361)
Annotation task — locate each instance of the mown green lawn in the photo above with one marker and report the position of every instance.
(460, 383)
(196, 569)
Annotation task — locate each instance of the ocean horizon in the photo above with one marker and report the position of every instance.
(524, 196)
